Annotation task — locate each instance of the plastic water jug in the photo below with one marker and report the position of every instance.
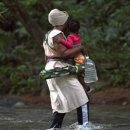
(90, 71)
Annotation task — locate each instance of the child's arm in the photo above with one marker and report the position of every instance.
(67, 42)
(62, 50)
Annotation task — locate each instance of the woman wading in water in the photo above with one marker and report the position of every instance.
(66, 92)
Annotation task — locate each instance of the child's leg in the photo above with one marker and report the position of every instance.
(81, 80)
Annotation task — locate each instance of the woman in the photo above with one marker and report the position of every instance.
(66, 92)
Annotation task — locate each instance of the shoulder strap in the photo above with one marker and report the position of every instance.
(46, 39)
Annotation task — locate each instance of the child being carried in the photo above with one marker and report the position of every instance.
(74, 40)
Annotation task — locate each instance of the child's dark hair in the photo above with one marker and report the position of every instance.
(74, 26)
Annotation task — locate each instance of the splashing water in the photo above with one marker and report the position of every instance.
(75, 126)
(102, 117)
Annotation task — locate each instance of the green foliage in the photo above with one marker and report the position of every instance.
(19, 69)
(105, 29)
(29, 3)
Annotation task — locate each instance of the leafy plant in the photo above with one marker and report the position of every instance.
(105, 30)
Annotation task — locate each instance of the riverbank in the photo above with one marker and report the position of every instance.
(120, 96)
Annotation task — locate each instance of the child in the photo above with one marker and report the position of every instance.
(74, 40)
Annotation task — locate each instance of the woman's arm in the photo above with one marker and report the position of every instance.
(62, 50)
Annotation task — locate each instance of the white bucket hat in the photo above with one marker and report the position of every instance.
(57, 17)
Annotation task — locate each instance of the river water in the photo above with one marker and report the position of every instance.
(102, 117)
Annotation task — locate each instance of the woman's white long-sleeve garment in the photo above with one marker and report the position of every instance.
(66, 93)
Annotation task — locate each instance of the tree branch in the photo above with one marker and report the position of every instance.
(22, 15)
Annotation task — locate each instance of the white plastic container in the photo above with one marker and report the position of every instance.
(90, 71)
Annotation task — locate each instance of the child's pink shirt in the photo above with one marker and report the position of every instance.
(71, 41)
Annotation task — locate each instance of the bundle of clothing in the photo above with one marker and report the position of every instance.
(58, 72)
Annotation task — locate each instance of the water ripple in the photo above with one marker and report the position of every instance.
(75, 126)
